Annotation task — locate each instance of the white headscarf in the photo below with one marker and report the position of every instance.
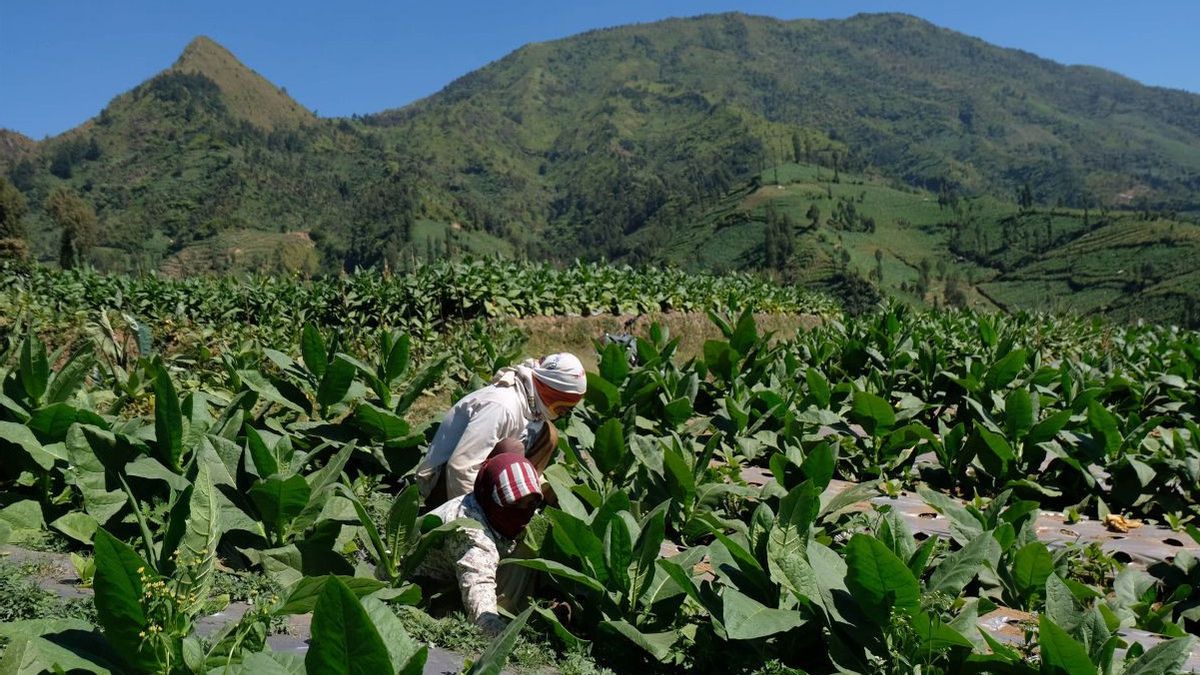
(562, 372)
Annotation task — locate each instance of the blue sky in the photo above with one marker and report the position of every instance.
(61, 61)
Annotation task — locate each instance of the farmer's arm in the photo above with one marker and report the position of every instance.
(476, 571)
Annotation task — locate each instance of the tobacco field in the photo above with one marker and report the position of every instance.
(736, 510)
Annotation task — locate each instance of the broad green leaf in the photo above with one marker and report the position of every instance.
(406, 655)
(168, 419)
(747, 619)
(872, 412)
(878, 580)
(312, 348)
(1104, 427)
(1031, 566)
(657, 645)
(34, 368)
(1048, 428)
(609, 450)
(618, 553)
(614, 364)
(344, 640)
(787, 540)
(336, 381)
(1164, 657)
(745, 335)
(601, 393)
(34, 655)
(576, 539)
(279, 500)
(1005, 370)
(78, 526)
(557, 569)
(818, 387)
(302, 598)
(491, 662)
(87, 472)
(382, 424)
(118, 587)
(14, 435)
(961, 566)
(1018, 413)
(1061, 654)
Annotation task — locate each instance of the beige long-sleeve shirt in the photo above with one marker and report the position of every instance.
(470, 556)
(470, 430)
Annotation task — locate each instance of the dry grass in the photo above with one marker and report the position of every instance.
(576, 334)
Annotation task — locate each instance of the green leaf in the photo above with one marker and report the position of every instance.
(406, 655)
(747, 619)
(1005, 370)
(336, 381)
(787, 541)
(681, 484)
(658, 645)
(302, 598)
(576, 539)
(382, 424)
(818, 387)
(878, 580)
(34, 368)
(197, 532)
(20, 436)
(961, 566)
(745, 335)
(614, 364)
(557, 569)
(1104, 427)
(78, 526)
(609, 450)
(397, 359)
(1048, 428)
(265, 461)
(422, 383)
(1164, 657)
(344, 640)
(872, 412)
(1032, 565)
(312, 348)
(279, 500)
(54, 421)
(70, 377)
(1061, 655)
(168, 419)
(118, 587)
(618, 553)
(81, 651)
(601, 394)
(491, 662)
(1018, 413)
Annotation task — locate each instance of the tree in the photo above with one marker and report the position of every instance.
(12, 229)
(1025, 197)
(814, 215)
(78, 223)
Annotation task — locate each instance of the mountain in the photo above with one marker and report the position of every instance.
(246, 94)
(638, 143)
(888, 93)
(14, 147)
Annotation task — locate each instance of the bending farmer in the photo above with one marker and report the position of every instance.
(519, 403)
(503, 500)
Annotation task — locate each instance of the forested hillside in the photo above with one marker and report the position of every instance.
(625, 143)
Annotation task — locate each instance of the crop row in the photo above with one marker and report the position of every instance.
(293, 461)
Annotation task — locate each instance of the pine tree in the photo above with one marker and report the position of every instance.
(78, 223)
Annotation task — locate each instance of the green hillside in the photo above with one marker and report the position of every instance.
(653, 143)
(943, 250)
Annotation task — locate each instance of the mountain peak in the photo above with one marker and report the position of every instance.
(247, 94)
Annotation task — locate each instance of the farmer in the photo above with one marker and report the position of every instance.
(520, 403)
(503, 500)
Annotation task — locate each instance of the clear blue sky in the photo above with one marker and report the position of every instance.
(61, 61)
